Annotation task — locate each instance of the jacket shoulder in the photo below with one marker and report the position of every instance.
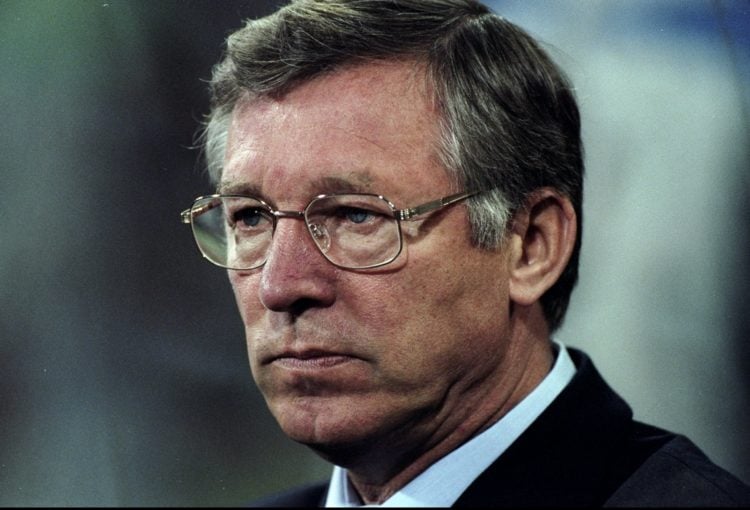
(680, 474)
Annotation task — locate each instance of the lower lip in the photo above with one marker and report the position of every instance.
(315, 363)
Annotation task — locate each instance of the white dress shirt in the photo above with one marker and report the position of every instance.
(443, 482)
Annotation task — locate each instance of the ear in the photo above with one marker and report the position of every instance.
(542, 240)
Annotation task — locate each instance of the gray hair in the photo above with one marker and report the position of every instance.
(509, 119)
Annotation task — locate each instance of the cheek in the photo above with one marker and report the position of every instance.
(413, 321)
(455, 308)
(395, 307)
(245, 289)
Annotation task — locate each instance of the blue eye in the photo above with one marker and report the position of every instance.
(355, 215)
(249, 217)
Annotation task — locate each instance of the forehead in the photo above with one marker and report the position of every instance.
(365, 127)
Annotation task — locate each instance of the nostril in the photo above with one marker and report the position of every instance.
(299, 307)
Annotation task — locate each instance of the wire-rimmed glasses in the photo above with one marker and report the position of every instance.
(351, 230)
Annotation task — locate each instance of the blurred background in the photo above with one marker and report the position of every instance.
(124, 373)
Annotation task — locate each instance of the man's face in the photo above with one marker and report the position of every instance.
(401, 355)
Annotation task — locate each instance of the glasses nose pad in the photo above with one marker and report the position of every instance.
(321, 237)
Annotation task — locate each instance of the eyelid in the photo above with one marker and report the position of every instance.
(235, 206)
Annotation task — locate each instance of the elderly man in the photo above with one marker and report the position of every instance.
(399, 188)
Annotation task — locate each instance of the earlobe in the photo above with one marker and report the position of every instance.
(542, 241)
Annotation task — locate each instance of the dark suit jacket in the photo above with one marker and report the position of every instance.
(586, 450)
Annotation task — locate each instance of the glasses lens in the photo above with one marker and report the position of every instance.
(232, 232)
(354, 231)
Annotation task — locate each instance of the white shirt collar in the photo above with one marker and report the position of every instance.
(443, 482)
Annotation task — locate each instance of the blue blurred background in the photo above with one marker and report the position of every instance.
(124, 374)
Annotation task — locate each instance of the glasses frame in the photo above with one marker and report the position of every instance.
(406, 214)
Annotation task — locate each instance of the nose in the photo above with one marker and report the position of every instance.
(295, 276)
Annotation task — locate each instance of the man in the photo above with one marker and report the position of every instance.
(399, 188)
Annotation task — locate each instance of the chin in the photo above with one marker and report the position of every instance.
(327, 425)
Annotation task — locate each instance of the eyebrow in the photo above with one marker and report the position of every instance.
(238, 188)
(359, 183)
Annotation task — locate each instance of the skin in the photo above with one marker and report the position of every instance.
(382, 371)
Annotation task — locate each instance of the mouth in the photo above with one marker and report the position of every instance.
(312, 359)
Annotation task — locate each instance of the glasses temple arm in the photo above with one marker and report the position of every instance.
(408, 214)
